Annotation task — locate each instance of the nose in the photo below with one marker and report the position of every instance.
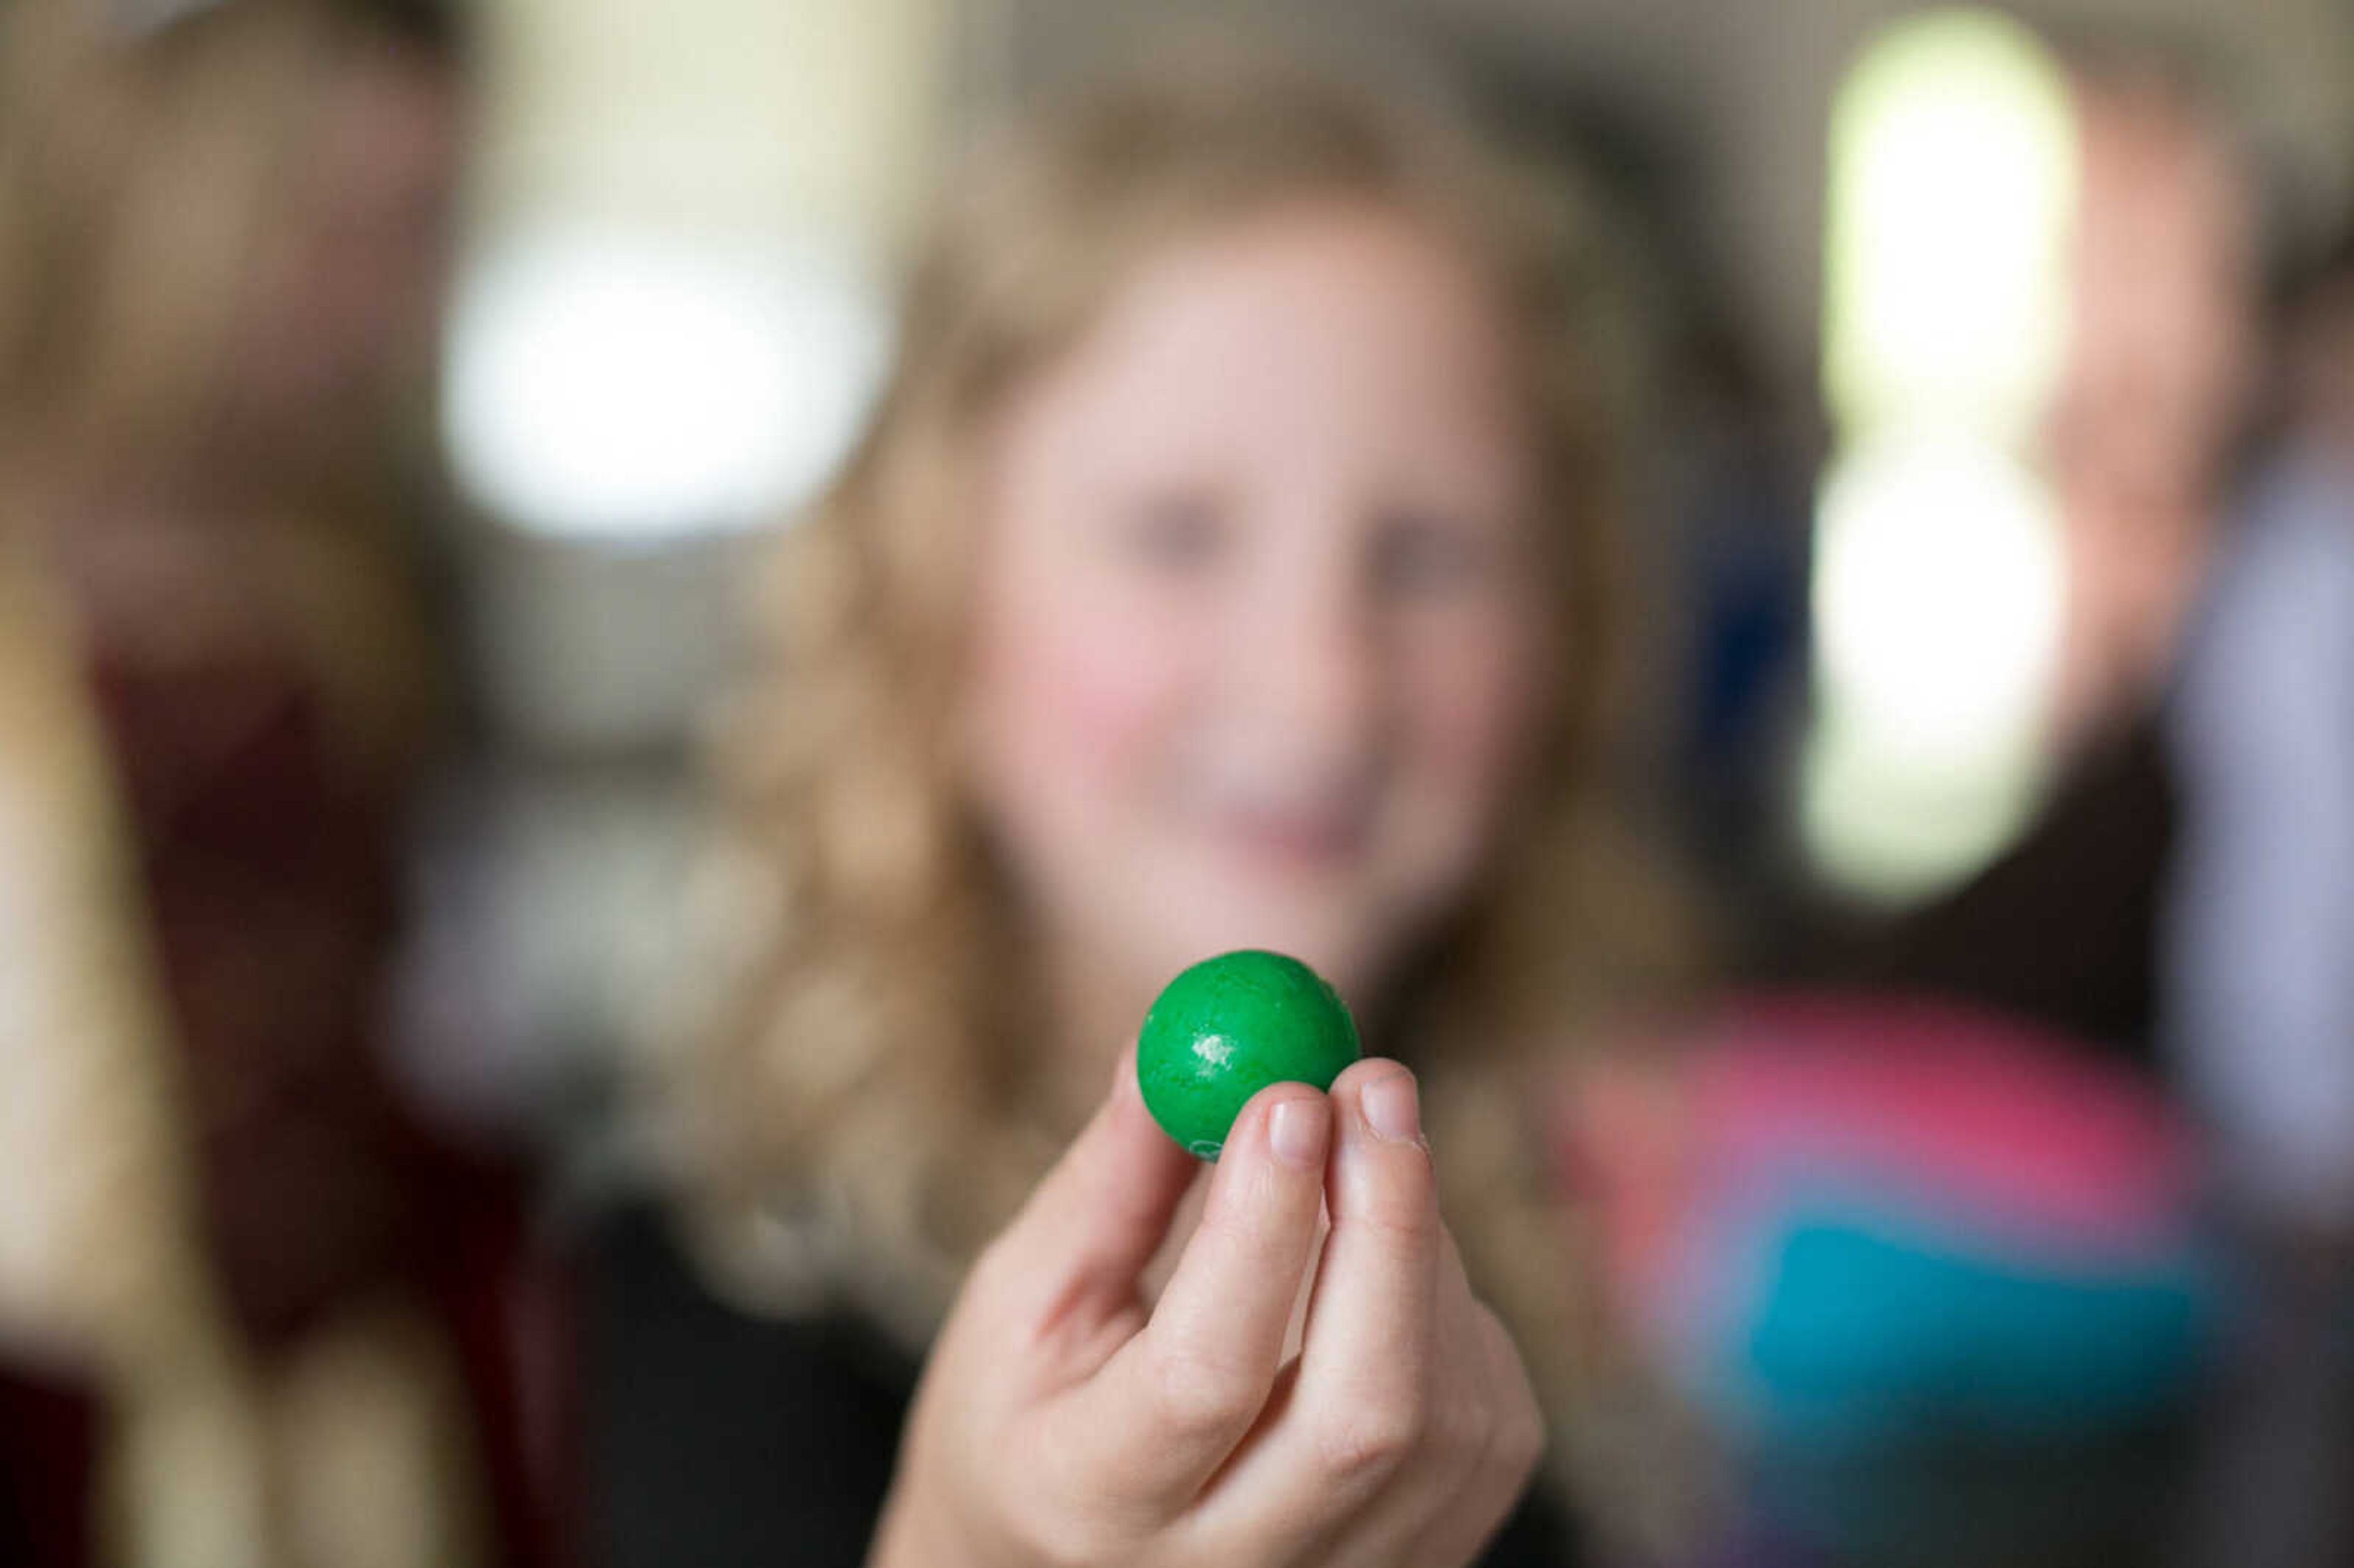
(1313, 666)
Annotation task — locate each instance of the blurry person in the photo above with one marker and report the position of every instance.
(2257, 1008)
(2141, 449)
(223, 238)
(111, 1333)
(2154, 394)
(1229, 562)
(2260, 1004)
(1943, 1293)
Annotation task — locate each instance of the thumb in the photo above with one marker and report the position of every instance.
(1095, 1221)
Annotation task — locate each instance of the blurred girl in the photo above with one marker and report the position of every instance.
(221, 241)
(1229, 562)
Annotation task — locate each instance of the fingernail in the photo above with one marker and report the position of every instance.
(1297, 1129)
(1394, 1108)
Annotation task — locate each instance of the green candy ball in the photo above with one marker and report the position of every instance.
(1228, 1027)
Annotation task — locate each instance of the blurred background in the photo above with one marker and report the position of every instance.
(394, 392)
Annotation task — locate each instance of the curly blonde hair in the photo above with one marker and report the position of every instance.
(859, 1109)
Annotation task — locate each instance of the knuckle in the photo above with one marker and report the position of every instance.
(1404, 1211)
(1370, 1444)
(1196, 1394)
(1063, 1521)
(1520, 1434)
(1056, 1539)
(1464, 1430)
(1411, 1224)
(1239, 1225)
(1520, 1438)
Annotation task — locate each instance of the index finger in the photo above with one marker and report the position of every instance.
(1174, 1401)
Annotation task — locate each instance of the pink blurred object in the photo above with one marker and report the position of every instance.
(2042, 1141)
(1841, 1211)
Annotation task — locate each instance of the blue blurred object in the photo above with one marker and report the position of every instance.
(1873, 1325)
(1940, 1285)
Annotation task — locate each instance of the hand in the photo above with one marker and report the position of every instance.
(1060, 1422)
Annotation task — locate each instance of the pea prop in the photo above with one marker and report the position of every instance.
(1228, 1027)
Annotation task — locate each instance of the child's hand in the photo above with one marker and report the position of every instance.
(1060, 1423)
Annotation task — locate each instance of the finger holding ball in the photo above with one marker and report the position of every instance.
(1226, 1028)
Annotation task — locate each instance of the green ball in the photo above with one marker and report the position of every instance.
(1228, 1027)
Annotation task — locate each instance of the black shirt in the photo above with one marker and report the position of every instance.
(728, 1441)
(2062, 929)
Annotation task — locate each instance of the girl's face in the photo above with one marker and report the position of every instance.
(1262, 623)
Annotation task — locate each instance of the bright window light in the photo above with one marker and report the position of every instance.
(1938, 591)
(631, 386)
(1952, 171)
(1939, 581)
(1938, 594)
(1894, 832)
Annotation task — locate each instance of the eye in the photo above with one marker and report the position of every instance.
(1178, 531)
(1420, 554)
